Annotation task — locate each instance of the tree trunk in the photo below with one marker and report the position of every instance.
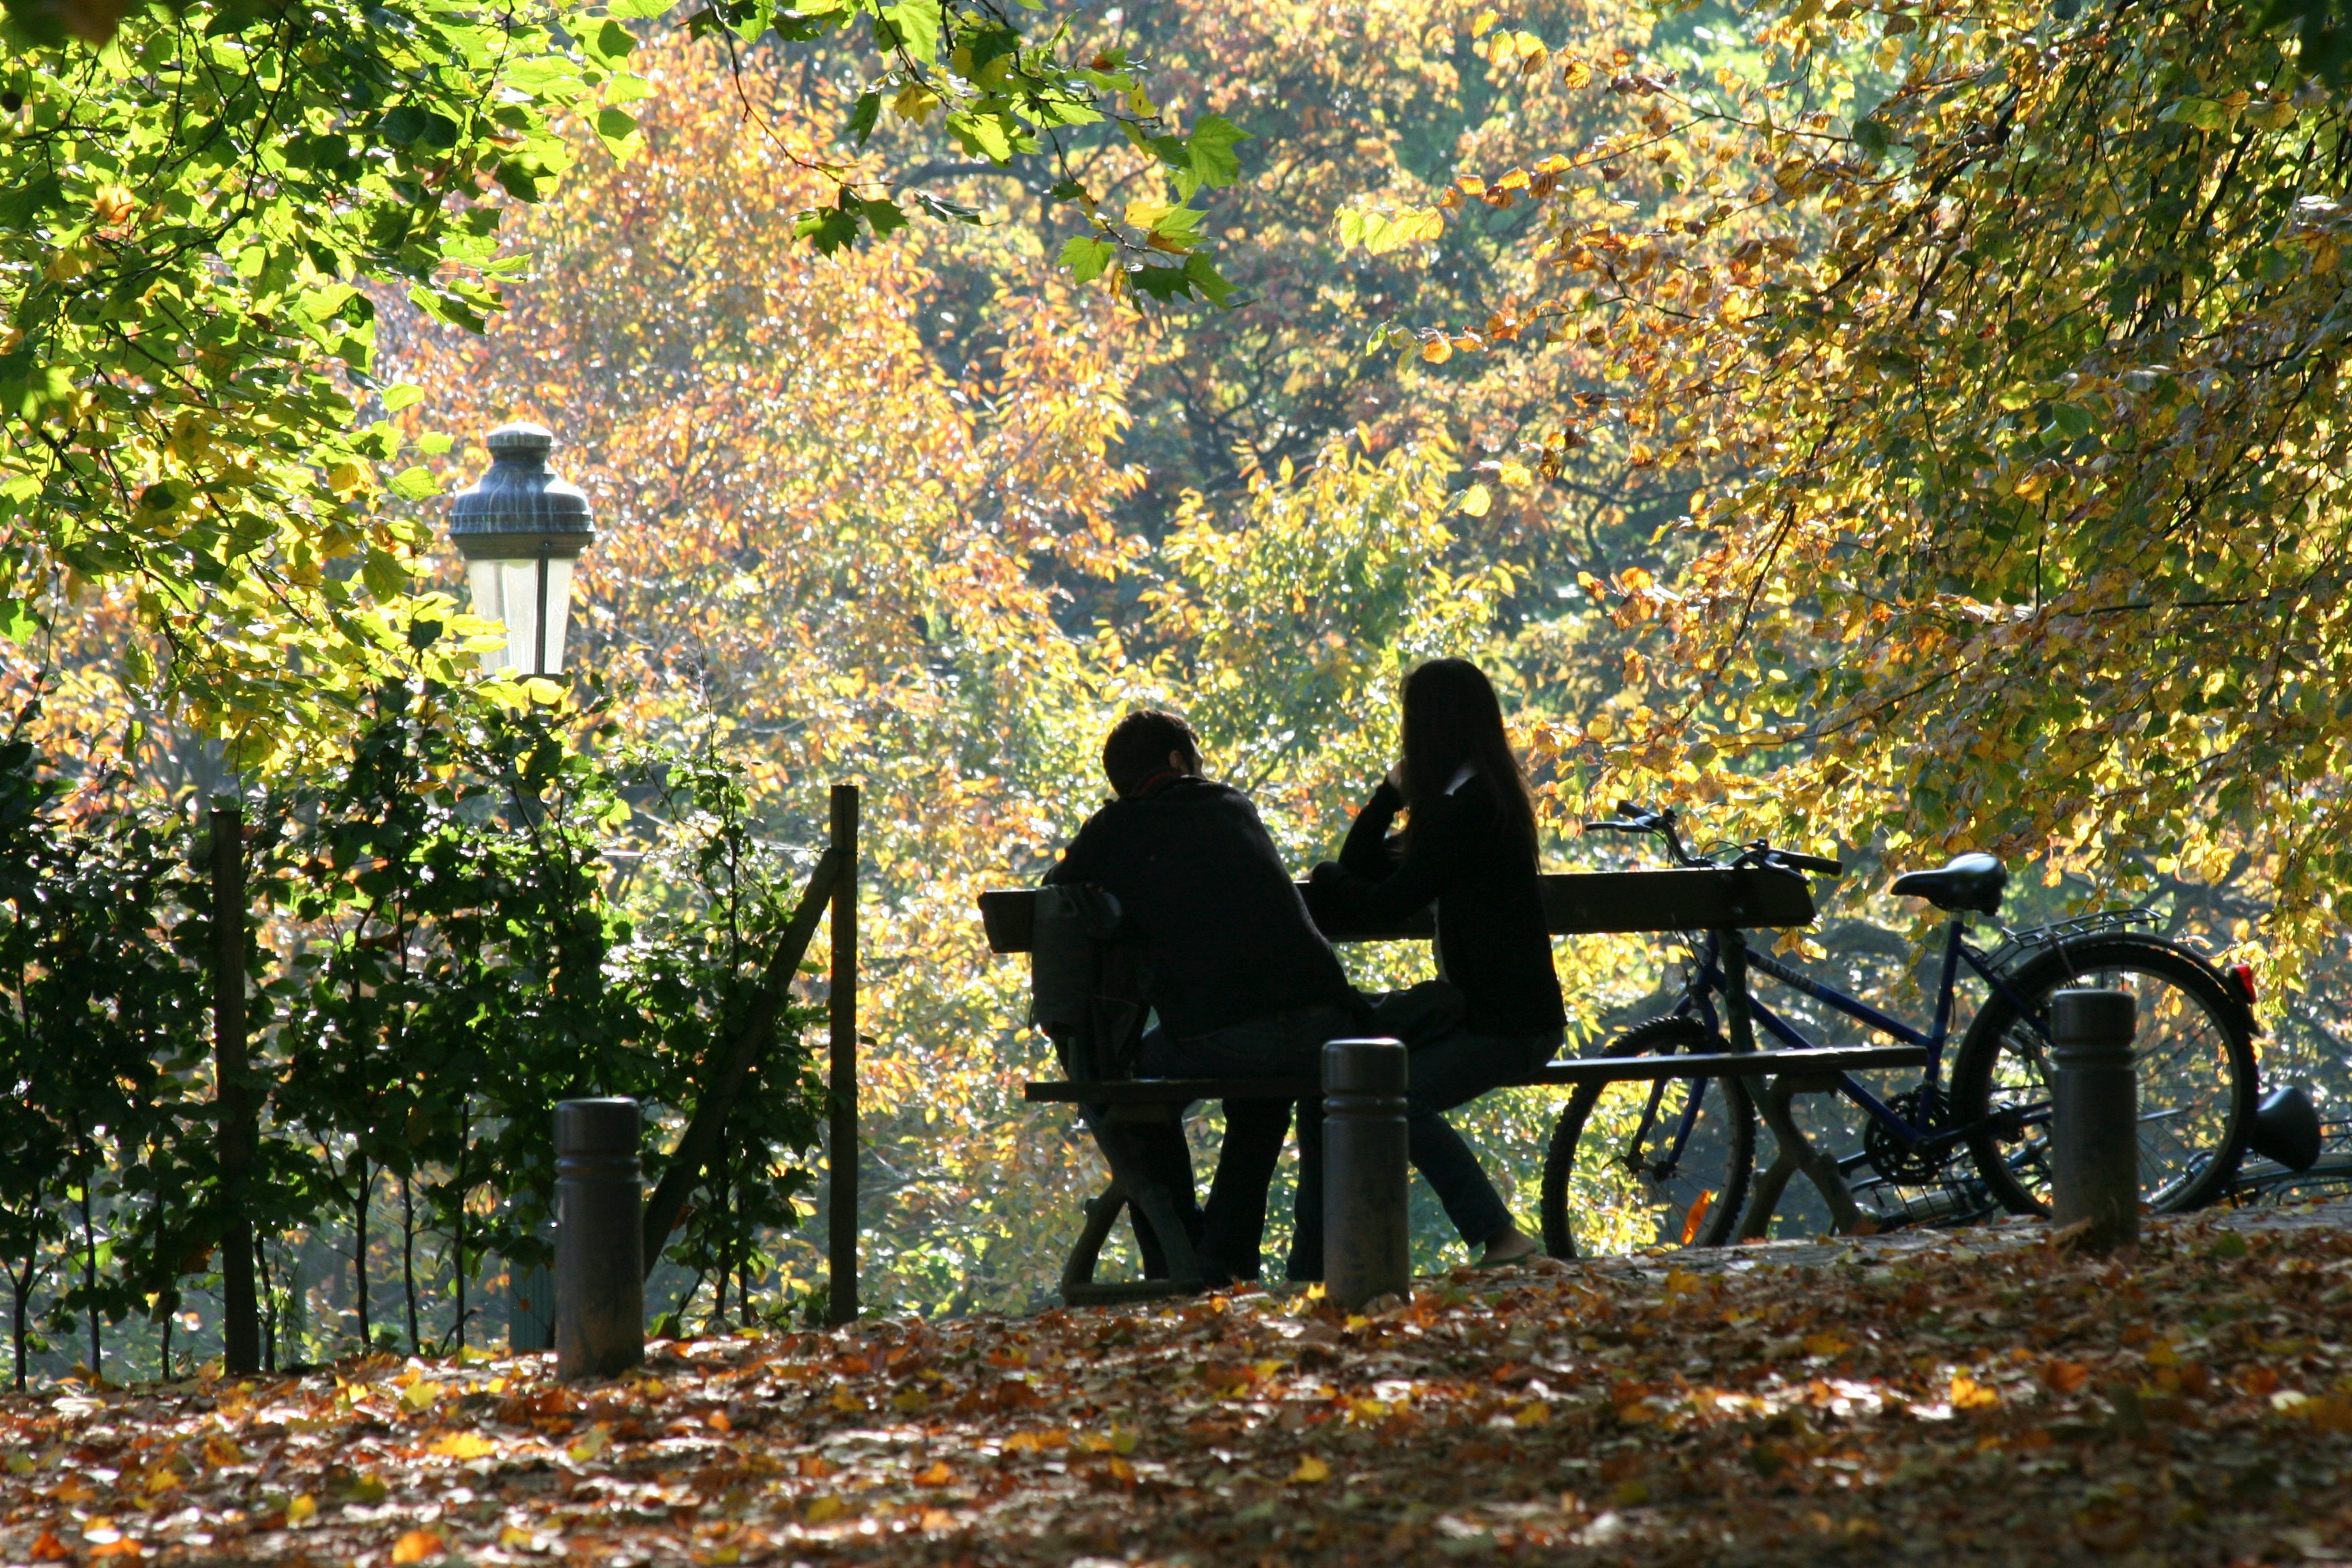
(21, 1286)
(268, 1308)
(458, 1238)
(408, 1261)
(233, 1093)
(359, 1255)
(164, 1356)
(89, 1285)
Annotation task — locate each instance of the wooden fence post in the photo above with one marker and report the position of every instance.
(841, 1172)
(233, 1136)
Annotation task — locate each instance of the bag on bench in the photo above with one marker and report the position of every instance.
(1086, 983)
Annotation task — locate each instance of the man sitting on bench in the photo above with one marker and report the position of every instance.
(1244, 985)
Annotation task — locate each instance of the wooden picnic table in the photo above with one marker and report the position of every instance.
(1576, 903)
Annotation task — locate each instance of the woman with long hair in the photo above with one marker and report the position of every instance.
(1469, 851)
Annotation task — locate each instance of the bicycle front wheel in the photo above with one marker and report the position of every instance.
(1634, 1165)
(2194, 1051)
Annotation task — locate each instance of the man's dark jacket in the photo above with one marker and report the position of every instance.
(1204, 887)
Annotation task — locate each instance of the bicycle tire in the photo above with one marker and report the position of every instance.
(2197, 1074)
(1724, 1135)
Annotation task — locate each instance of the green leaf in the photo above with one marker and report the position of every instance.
(414, 484)
(401, 394)
(16, 620)
(1162, 282)
(1086, 256)
(625, 88)
(613, 43)
(2202, 113)
(1210, 283)
(982, 134)
(617, 129)
(916, 27)
(829, 229)
(862, 118)
(883, 216)
(940, 207)
(1213, 158)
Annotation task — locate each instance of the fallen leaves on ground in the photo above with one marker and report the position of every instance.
(1983, 1398)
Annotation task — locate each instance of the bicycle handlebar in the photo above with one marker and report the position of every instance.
(1632, 818)
(1813, 863)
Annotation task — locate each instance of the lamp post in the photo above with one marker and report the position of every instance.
(520, 528)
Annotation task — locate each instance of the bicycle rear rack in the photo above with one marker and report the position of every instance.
(2016, 944)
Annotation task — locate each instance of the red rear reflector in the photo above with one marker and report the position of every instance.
(2242, 977)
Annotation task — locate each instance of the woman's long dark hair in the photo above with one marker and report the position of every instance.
(1451, 717)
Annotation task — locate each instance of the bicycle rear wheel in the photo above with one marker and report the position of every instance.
(1644, 1164)
(2194, 1051)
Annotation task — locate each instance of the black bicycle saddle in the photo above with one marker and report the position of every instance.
(1968, 882)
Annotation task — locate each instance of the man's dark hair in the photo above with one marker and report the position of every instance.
(1137, 746)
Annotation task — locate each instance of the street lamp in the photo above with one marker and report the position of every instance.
(520, 528)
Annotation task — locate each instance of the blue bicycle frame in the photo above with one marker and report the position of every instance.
(1713, 977)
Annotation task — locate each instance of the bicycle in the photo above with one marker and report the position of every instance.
(1977, 1143)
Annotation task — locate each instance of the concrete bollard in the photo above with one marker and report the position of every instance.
(2095, 1118)
(1367, 1243)
(600, 1290)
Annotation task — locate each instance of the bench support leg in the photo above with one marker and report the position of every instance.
(1791, 1153)
(1154, 1209)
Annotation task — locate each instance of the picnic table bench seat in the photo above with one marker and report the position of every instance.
(1576, 903)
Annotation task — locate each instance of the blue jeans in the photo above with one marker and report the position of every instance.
(1285, 1045)
(1453, 1069)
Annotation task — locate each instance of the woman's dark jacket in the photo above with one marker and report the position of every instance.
(1462, 855)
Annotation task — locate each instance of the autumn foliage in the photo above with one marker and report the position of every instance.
(1958, 1402)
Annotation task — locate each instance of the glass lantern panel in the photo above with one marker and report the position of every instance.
(512, 591)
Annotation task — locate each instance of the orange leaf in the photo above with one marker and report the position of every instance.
(416, 1546)
(2065, 1376)
(1697, 1216)
(49, 1549)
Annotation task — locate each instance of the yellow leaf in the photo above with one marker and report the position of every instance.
(1535, 1413)
(847, 1403)
(416, 1546)
(1437, 350)
(1310, 1470)
(1576, 73)
(1481, 22)
(1477, 500)
(1968, 1393)
(1827, 1344)
(588, 1446)
(418, 1397)
(464, 1445)
(938, 1475)
(821, 1510)
(911, 1400)
(220, 1450)
(915, 103)
(1143, 215)
(302, 1509)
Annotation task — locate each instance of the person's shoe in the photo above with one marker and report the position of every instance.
(1514, 1246)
